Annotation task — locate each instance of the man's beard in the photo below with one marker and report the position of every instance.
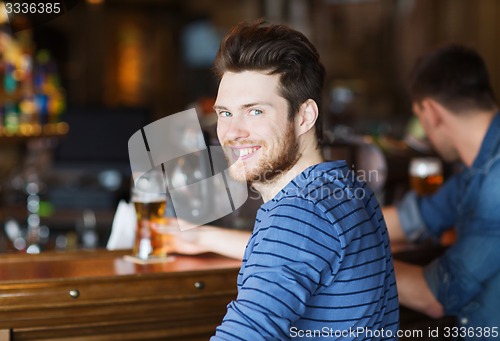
(269, 167)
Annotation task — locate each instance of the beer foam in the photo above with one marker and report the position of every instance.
(425, 166)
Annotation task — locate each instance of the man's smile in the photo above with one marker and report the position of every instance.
(245, 152)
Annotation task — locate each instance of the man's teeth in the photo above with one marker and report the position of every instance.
(246, 151)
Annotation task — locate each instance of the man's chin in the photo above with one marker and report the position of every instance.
(239, 178)
(238, 174)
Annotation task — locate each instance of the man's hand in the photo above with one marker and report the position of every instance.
(187, 242)
(414, 291)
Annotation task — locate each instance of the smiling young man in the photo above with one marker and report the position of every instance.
(318, 264)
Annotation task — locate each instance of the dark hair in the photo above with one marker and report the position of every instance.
(455, 76)
(275, 49)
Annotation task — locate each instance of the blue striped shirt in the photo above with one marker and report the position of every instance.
(318, 265)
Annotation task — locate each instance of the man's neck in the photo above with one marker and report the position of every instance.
(308, 158)
(470, 135)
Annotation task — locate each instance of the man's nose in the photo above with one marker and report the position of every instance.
(236, 129)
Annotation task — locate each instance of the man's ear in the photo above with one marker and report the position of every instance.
(433, 112)
(306, 117)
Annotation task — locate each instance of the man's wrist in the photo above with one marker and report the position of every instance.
(410, 218)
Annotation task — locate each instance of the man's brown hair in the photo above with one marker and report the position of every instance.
(454, 75)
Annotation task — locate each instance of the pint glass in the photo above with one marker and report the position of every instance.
(149, 198)
(426, 175)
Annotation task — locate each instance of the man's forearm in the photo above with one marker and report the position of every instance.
(394, 227)
(414, 292)
(229, 243)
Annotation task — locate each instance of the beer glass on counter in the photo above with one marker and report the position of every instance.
(150, 198)
(426, 175)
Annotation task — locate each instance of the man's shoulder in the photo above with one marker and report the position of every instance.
(303, 199)
(490, 172)
(320, 182)
(488, 193)
(328, 190)
(492, 167)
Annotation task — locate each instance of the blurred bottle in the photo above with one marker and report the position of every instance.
(48, 93)
(11, 120)
(31, 87)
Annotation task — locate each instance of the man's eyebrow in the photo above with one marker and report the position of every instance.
(220, 107)
(243, 106)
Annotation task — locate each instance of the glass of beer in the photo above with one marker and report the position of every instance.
(149, 197)
(426, 175)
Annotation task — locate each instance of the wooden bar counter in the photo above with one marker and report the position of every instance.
(98, 295)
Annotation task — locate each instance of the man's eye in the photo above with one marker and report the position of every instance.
(225, 114)
(255, 112)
